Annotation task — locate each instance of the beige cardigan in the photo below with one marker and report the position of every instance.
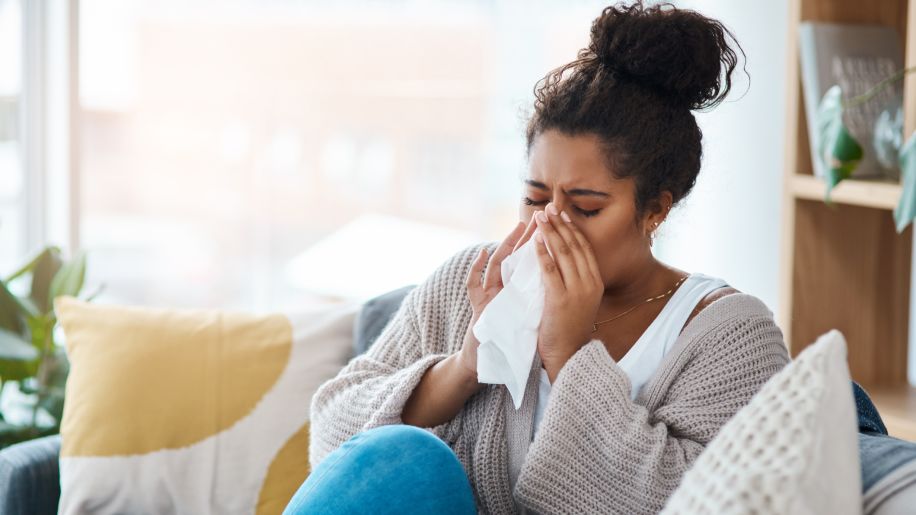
(596, 450)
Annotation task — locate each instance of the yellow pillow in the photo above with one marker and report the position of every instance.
(191, 411)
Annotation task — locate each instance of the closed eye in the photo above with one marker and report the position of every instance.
(584, 212)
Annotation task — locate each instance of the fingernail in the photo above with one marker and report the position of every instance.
(552, 209)
(541, 216)
(564, 216)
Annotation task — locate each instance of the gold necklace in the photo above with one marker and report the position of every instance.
(650, 299)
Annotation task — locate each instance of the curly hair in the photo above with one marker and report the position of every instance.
(635, 86)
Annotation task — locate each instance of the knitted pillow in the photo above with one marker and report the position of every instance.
(792, 449)
(191, 411)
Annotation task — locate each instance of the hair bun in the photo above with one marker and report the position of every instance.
(677, 52)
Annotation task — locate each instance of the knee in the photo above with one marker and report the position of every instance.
(400, 433)
(404, 465)
(404, 440)
(410, 457)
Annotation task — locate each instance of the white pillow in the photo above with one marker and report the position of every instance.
(793, 448)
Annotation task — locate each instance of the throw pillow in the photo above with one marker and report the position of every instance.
(792, 449)
(191, 411)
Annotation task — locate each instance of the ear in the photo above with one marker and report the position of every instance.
(657, 211)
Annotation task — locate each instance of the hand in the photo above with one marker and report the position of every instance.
(482, 290)
(532, 226)
(572, 289)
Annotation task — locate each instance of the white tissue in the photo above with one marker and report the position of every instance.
(508, 327)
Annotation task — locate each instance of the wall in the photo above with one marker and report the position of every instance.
(730, 225)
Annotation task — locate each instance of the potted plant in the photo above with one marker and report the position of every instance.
(31, 361)
(840, 153)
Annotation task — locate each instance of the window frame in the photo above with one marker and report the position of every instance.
(48, 128)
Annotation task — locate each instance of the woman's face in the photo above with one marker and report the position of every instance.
(571, 171)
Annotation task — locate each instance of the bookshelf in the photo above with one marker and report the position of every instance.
(844, 266)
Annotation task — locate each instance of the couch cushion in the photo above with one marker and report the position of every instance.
(191, 411)
(375, 315)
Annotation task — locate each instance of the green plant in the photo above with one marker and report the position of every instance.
(30, 359)
(840, 153)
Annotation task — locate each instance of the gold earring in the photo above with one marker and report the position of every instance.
(652, 233)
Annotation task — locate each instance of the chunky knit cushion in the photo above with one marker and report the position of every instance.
(792, 449)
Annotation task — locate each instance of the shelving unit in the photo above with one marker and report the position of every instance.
(843, 265)
(874, 194)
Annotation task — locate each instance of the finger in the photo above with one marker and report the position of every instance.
(494, 268)
(532, 226)
(587, 249)
(549, 271)
(576, 251)
(473, 280)
(560, 251)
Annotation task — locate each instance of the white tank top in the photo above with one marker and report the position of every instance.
(644, 357)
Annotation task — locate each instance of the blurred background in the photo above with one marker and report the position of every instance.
(266, 154)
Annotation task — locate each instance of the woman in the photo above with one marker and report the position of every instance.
(638, 365)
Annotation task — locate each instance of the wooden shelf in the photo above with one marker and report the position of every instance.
(875, 194)
(896, 406)
(844, 266)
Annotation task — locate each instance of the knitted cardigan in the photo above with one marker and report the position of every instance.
(596, 450)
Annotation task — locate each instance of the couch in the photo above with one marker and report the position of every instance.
(29, 473)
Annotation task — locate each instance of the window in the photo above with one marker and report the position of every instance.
(12, 176)
(250, 154)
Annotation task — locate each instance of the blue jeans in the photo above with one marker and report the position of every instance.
(388, 469)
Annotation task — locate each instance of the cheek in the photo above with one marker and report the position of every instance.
(615, 248)
(613, 237)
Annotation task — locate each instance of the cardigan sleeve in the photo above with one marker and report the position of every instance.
(598, 447)
(372, 388)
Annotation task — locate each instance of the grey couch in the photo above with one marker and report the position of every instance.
(30, 481)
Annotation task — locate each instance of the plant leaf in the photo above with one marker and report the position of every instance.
(57, 368)
(27, 307)
(46, 267)
(69, 279)
(40, 329)
(14, 348)
(28, 267)
(905, 211)
(838, 151)
(15, 370)
(10, 317)
(13, 310)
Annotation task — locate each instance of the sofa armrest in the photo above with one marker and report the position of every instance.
(888, 472)
(30, 477)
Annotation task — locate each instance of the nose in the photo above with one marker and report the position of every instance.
(557, 203)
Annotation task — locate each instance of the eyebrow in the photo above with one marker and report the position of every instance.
(575, 192)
